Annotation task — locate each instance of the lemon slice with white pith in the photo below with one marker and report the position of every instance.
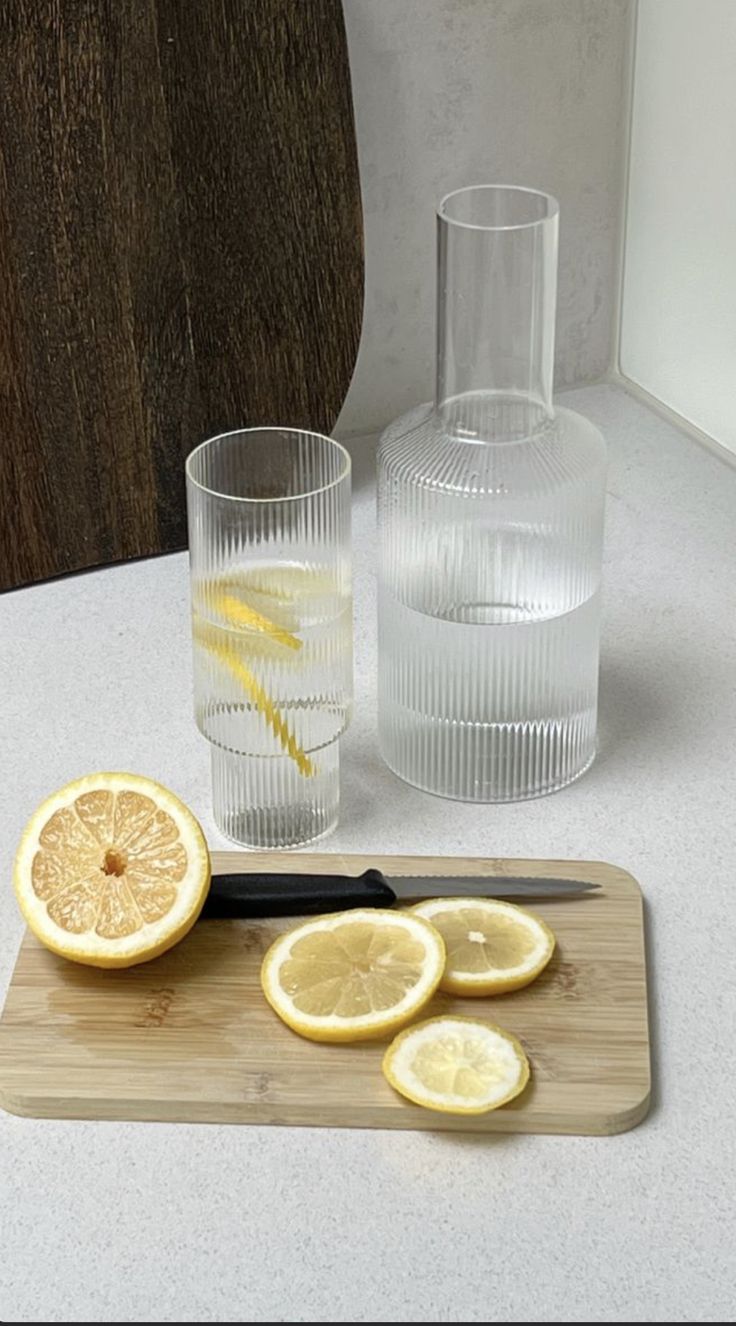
(353, 975)
(456, 1065)
(492, 947)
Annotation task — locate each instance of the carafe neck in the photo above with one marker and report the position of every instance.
(496, 298)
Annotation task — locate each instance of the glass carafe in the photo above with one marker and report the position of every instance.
(491, 509)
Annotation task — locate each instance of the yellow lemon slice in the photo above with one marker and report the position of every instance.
(111, 870)
(456, 1065)
(265, 706)
(284, 583)
(249, 632)
(492, 947)
(246, 618)
(353, 975)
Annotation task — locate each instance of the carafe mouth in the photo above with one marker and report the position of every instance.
(496, 296)
(497, 207)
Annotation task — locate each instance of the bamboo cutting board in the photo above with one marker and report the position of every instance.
(189, 1037)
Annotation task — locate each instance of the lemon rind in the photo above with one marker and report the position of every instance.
(369, 1026)
(91, 949)
(507, 979)
(424, 1098)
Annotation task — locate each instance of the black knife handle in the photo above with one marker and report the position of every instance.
(294, 895)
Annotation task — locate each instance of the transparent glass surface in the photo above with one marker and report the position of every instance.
(269, 546)
(490, 528)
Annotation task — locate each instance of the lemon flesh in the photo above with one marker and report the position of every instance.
(492, 947)
(353, 975)
(456, 1065)
(111, 870)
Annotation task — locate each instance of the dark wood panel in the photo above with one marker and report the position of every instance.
(180, 253)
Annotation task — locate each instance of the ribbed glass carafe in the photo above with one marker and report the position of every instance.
(490, 528)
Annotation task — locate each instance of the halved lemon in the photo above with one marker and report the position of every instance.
(353, 975)
(111, 870)
(492, 947)
(456, 1065)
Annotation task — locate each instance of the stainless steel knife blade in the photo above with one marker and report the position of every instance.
(487, 886)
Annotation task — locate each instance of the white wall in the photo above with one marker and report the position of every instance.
(454, 92)
(678, 334)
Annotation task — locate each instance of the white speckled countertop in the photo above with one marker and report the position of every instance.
(148, 1222)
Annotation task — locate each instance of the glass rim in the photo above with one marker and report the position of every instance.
(344, 474)
(553, 207)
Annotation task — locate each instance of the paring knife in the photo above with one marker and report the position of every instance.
(277, 894)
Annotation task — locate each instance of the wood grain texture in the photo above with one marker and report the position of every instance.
(180, 253)
(190, 1037)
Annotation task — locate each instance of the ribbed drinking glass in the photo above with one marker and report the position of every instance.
(490, 528)
(269, 546)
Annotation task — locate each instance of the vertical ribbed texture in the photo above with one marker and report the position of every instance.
(489, 607)
(265, 803)
(269, 540)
